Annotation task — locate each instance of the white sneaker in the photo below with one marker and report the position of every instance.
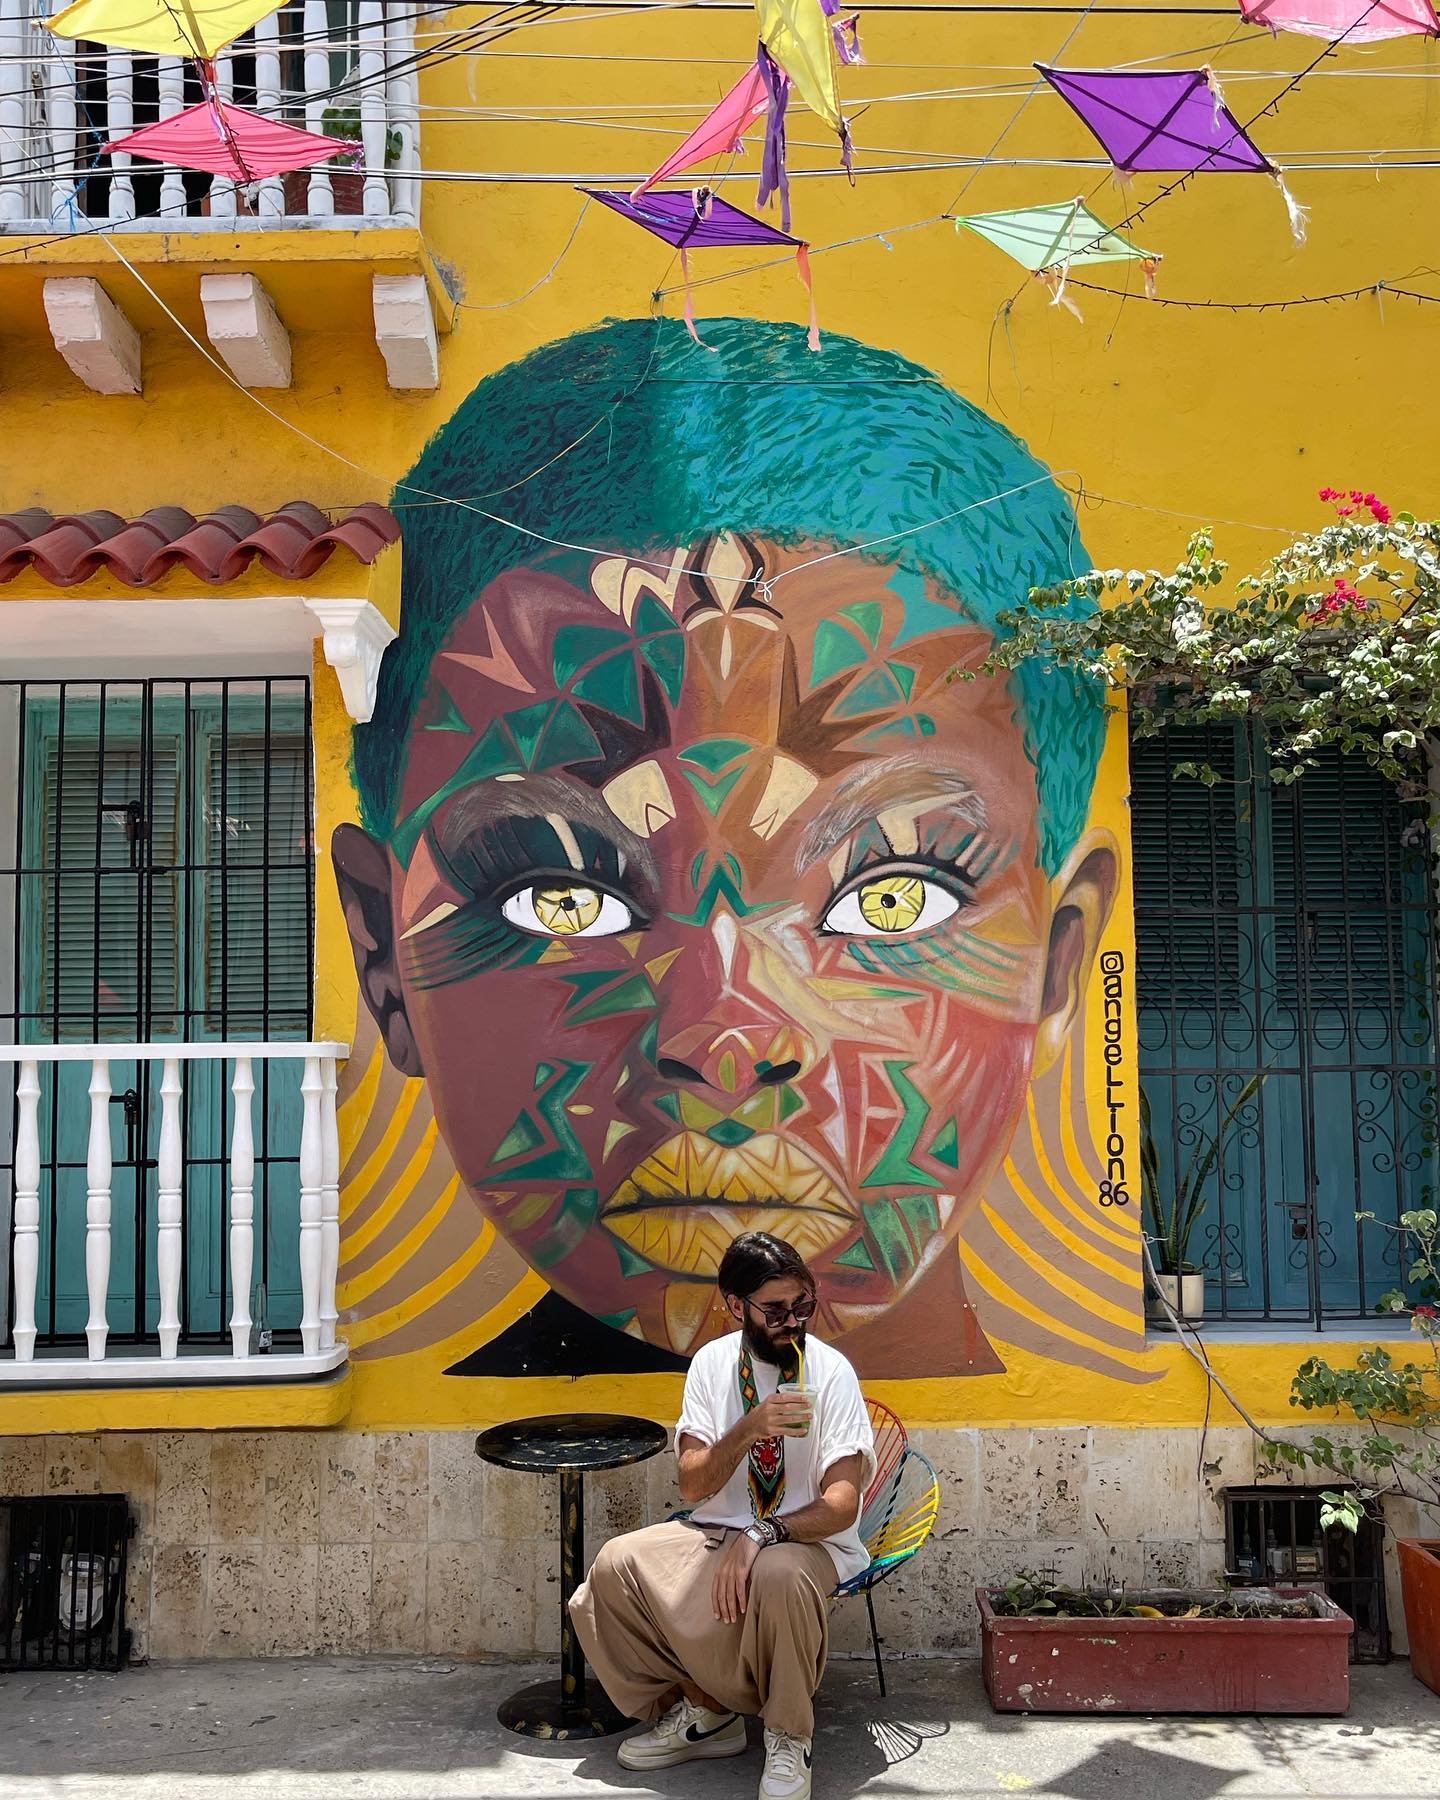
(787, 1767)
(685, 1733)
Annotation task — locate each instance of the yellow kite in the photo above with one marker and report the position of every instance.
(797, 34)
(162, 27)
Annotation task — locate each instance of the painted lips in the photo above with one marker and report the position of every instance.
(681, 1207)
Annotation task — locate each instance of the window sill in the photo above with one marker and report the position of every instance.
(1380, 1329)
(287, 1391)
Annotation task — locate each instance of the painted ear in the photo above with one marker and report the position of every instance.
(1086, 893)
(362, 873)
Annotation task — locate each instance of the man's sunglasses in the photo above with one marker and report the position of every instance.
(776, 1312)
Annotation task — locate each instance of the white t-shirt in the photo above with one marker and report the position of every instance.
(840, 1427)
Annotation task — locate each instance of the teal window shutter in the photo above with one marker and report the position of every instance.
(105, 939)
(255, 890)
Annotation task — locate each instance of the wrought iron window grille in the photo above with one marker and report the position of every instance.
(157, 883)
(63, 1565)
(1274, 1538)
(1289, 931)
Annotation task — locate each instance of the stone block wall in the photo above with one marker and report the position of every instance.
(284, 1543)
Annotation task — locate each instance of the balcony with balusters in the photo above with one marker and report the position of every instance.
(179, 1236)
(345, 69)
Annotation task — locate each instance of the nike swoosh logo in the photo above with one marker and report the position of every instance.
(694, 1735)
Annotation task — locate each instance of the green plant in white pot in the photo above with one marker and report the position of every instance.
(1172, 1210)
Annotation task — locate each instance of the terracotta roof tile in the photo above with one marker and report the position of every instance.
(292, 542)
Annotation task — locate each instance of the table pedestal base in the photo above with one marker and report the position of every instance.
(542, 1711)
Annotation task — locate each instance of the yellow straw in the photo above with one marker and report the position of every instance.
(800, 1360)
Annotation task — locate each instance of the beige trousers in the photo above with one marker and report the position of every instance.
(646, 1621)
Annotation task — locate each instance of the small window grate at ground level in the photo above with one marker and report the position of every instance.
(1273, 1538)
(62, 1581)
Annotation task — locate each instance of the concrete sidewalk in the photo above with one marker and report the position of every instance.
(307, 1730)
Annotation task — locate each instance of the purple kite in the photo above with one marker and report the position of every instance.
(1160, 120)
(229, 140)
(695, 219)
(698, 219)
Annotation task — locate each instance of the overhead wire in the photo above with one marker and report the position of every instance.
(1084, 495)
(1086, 11)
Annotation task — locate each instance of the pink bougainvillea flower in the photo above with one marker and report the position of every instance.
(1377, 508)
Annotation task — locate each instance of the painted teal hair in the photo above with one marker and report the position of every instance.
(632, 439)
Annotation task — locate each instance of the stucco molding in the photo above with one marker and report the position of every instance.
(243, 325)
(405, 331)
(99, 343)
(355, 636)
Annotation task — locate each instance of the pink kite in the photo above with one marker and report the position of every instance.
(229, 140)
(1348, 21)
(720, 132)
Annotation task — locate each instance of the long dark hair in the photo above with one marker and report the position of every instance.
(756, 1257)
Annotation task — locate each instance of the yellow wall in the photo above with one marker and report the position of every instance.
(1168, 417)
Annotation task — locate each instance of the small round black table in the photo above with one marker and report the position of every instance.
(568, 1444)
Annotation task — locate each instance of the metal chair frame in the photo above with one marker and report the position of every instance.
(897, 1515)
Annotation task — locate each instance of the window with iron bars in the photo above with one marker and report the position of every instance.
(1285, 935)
(157, 885)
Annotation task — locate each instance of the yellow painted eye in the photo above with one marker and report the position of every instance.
(888, 905)
(565, 909)
(893, 903)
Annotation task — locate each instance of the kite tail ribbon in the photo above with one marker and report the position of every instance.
(690, 301)
(1150, 268)
(224, 131)
(1054, 280)
(206, 70)
(1294, 211)
(1217, 97)
(845, 32)
(774, 176)
(802, 269)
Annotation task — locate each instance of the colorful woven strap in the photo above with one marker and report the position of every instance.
(766, 1467)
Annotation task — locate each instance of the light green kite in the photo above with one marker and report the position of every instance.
(1048, 240)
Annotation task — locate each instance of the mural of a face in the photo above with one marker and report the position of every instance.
(715, 903)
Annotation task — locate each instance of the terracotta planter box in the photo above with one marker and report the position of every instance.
(1420, 1588)
(1298, 1665)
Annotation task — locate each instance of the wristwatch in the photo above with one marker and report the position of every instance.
(762, 1533)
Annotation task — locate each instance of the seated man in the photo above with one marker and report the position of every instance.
(727, 1609)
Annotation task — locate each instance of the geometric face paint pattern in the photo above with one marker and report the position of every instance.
(718, 906)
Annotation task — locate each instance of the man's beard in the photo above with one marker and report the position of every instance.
(782, 1356)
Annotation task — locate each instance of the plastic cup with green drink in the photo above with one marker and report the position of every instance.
(803, 1389)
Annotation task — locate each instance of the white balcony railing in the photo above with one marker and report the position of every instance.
(61, 101)
(160, 1355)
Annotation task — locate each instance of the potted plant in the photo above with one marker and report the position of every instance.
(1399, 1452)
(1050, 1648)
(1172, 1213)
(347, 184)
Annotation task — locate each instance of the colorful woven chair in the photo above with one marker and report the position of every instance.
(897, 1513)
